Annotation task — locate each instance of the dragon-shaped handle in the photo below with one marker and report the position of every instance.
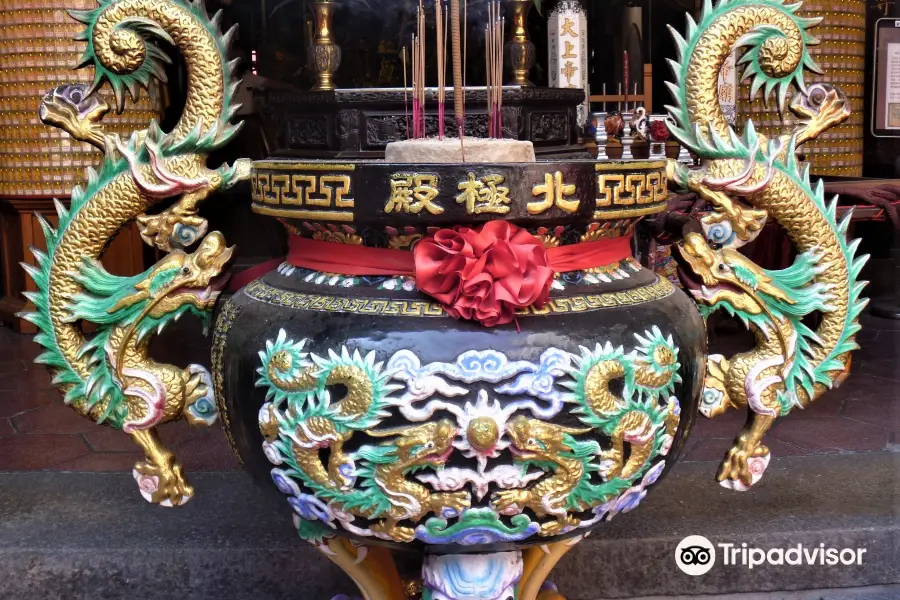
(110, 377)
(791, 365)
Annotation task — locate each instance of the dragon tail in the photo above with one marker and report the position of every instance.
(826, 361)
(703, 50)
(119, 35)
(82, 377)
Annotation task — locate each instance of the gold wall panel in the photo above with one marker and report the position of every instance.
(842, 56)
(37, 53)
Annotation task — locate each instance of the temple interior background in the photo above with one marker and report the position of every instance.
(283, 117)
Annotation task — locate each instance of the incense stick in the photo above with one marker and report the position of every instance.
(440, 25)
(487, 74)
(465, 39)
(405, 94)
(422, 64)
(494, 34)
(458, 93)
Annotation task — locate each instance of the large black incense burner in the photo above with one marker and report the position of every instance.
(359, 123)
(459, 356)
(392, 423)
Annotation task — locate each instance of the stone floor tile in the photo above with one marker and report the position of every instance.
(55, 418)
(715, 449)
(101, 461)
(884, 369)
(18, 345)
(870, 322)
(894, 444)
(24, 381)
(866, 387)
(174, 435)
(106, 439)
(708, 449)
(34, 452)
(828, 405)
(881, 413)
(830, 434)
(13, 403)
(779, 448)
(723, 426)
(12, 365)
(208, 452)
(867, 335)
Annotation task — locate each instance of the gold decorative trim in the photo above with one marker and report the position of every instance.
(293, 166)
(325, 215)
(225, 321)
(630, 212)
(629, 164)
(263, 292)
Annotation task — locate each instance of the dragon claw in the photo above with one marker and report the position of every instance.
(172, 229)
(510, 501)
(455, 501)
(163, 484)
(745, 222)
(403, 535)
(200, 405)
(558, 527)
(743, 466)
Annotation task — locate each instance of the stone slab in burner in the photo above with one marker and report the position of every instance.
(360, 123)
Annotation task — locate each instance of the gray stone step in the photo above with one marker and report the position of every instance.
(73, 536)
(878, 592)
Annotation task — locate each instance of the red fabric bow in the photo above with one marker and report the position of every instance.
(484, 275)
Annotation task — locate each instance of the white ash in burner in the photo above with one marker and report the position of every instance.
(449, 150)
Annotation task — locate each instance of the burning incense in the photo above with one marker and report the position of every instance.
(415, 86)
(441, 25)
(458, 93)
(422, 65)
(405, 94)
(465, 40)
(494, 36)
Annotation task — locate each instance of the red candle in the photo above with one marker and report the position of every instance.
(626, 81)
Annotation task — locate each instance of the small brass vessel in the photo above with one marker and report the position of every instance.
(325, 54)
(520, 50)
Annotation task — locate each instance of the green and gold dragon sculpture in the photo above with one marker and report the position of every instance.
(791, 364)
(645, 414)
(301, 418)
(110, 377)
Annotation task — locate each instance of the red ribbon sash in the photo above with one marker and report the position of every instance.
(484, 275)
(343, 259)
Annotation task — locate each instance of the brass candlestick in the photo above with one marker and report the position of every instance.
(520, 49)
(326, 55)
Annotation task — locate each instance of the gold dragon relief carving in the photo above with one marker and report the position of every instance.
(384, 482)
(791, 364)
(110, 377)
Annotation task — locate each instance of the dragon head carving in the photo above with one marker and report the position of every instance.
(77, 111)
(725, 277)
(430, 444)
(534, 440)
(179, 283)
